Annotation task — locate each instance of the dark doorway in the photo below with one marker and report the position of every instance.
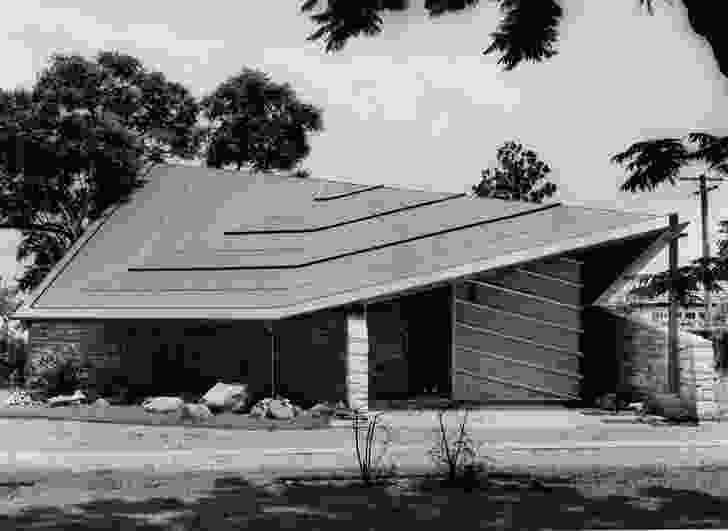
(410, 346)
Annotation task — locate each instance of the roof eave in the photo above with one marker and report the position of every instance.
(356, 294)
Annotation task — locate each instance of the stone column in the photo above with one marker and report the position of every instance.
(357, 359)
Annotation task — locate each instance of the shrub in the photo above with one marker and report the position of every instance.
(456, 451)
(368, 459)
(54, 372)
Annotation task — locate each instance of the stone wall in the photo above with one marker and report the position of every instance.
(83, 341)
(179, 356)
(642, 348)
(357, 361)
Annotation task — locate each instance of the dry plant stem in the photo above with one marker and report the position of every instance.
(366, 462)
(452, 453)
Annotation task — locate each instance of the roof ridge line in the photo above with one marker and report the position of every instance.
(349, 253)
(279, 174)
(345, 222)
(617, 211)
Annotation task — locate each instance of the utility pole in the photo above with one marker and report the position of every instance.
(703, 193)
(673, 349)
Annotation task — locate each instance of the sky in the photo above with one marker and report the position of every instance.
(419, 105)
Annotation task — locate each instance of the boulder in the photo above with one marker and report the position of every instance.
(19, 398)
(222, 396)
(101, 402)
(275, 408)
(321, 410)
(258, 410)
(281, 410)
(196, 412)
(163, 404)
(67, 400)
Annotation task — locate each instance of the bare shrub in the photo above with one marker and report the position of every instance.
(367, 456)
(455, 451)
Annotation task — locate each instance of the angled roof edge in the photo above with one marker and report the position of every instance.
(356, 294)
(65, 260)
(642, 260)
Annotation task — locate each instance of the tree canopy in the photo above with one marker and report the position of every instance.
(528, 30)
(258, 123)
(519, 175)
(654, 162)
(83, 138)
(78, 142)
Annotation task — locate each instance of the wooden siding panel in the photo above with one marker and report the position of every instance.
(513, 325)
(558, 268)
(482, 390)
(484, 342)
(486, 365)
(518, 333)
(543, 287)
(522, 304)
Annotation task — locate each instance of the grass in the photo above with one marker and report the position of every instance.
(506, 499)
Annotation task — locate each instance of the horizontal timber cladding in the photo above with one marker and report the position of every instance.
(517, 333)
(515, 348)
(512, 301)
(535, 284)
(473, 387)
(564, 269)
(514, 370)
(513, 324)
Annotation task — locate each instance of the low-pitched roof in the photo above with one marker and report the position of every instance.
(203, 243)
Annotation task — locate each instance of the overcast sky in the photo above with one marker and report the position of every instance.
(419, 105)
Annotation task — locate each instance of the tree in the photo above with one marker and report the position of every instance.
(81, 141)
(528, 31)
(518, 176)
(11, 338)
(651, 163)
(723, 242)
(257, 123)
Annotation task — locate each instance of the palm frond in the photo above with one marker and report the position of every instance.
(712, 150)
(436, 8)
(652, 162)
(527, 32)
(343, 19)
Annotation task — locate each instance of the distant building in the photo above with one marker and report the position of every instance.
(689, 317)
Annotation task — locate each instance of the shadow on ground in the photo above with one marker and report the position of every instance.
(504, 501)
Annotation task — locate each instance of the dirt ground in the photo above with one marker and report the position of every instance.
(95, 476)
(509, 499)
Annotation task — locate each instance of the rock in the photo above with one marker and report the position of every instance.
(240, 407)
(321, 410)
(636, 406)
(163, 404)
(279, 409)
(258, 410)
(101, 402)
(19, 398)
(67, 400)
(195, 412)
(275, 408)
(222, 396)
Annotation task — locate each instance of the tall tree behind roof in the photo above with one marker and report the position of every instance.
(259, 124)
(79, 142)
(519, 175)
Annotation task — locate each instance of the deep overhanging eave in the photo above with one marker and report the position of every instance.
(361, 293)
